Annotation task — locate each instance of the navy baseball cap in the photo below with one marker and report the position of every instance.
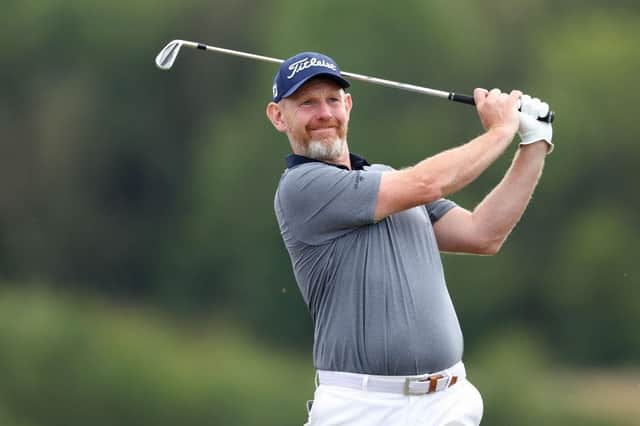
(299, 69)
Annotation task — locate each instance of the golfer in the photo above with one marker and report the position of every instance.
(365, 242)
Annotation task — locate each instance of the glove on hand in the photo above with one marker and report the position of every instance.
(532, 130)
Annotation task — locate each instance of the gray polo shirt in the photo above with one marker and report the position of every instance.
(376, 291)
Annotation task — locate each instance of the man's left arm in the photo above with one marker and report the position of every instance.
(484, 230)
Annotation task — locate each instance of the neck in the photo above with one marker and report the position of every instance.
(342, 160)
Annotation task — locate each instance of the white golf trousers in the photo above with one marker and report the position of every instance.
(458, 405)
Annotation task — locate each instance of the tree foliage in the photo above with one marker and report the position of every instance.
(123, 180)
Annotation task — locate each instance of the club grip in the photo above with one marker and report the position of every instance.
(466, 99)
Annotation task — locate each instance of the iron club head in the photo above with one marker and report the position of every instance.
(167, 56)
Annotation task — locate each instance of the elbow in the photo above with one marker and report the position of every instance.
(491, 250)
(490, 247)
(488, 239)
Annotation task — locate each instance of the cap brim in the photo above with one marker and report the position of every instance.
(341, 82)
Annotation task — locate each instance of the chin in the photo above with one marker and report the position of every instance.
(325, 150)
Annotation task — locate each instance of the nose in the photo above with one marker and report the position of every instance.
(324, 111)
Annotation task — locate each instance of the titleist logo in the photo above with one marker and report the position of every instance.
(305, 63)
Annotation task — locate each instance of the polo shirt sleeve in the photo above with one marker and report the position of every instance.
(439, 208)
(319, 203)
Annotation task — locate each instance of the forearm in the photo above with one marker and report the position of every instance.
(503, 207)
(452, 170)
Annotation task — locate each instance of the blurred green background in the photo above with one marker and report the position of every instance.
(142, 276)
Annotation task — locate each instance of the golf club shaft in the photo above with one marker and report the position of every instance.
(466, 99)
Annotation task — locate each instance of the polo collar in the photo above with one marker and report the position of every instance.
(357, 162)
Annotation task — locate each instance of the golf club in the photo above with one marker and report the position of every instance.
(167, 57)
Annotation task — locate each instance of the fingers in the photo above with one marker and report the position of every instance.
(534, 106)
(496, 97)
(495, 94)
(496, 103)
(515, 96)
(497, 109)
(511, 98)
(529, 105)
(479, 95)
(544, 109)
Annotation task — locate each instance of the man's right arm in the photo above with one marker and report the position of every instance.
(453, 169)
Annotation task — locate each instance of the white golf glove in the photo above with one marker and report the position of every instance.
(531, 129)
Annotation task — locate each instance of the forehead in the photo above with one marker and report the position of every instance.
(317, 84)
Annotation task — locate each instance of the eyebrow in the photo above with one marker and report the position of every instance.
(307, 93)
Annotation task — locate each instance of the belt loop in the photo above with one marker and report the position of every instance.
(434, 381)
(365, 382)
(453, 380)
(316, 378)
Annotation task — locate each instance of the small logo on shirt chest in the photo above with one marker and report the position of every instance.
(359, 178)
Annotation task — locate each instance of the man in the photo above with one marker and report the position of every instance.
(364, 243)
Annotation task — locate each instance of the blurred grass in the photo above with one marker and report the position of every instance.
(76, 361)
(605, 394)
(521, 385)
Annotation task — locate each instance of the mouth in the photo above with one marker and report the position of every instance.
(324, 130)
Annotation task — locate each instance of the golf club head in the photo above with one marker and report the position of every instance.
(167, 56)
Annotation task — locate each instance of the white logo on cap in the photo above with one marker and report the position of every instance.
(305, 63)
(275, 90)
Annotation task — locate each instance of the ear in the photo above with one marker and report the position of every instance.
(348, 102)
(274, 112)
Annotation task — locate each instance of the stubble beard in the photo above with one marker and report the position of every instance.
(325, 150)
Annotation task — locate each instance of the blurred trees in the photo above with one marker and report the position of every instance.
(120, 179)
(71, 362)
